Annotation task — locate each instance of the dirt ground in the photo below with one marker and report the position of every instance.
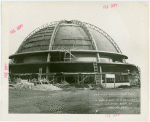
(103, 101)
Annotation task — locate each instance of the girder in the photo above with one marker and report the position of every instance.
(54, 34)
(82, 24)
(36, 30)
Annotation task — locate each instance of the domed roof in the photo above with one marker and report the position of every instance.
(63, 35)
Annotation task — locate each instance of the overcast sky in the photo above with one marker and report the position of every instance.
(126, 23)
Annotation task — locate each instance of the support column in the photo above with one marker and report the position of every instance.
(100, 69)
(78, 78)
(114, 82)
(105, 81)
(70, 56)
(47, 73)
(39, 76)
(98, 57)
(83, 79)
(48, 57)
(47, 67)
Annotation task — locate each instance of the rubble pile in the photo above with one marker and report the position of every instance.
(20, 84)
(46, 85)
(23, 84)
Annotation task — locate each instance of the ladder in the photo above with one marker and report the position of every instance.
(97, 76)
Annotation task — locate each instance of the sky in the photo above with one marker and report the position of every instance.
(126, 23)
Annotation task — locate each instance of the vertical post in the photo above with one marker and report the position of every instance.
(78, 78)
(114, 82)
(40, 72)
(119, 78)
(98, 57)
(30, 78)
(48, 57)
(47, 72)
(64, 56)
(83, 79)
(47, 67)
(70, 56)
(105, 81)
(128, 78)
(100, 69)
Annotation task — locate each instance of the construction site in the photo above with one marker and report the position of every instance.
(72, 52)
(68, 67)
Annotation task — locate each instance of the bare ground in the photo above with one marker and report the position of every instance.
(103, 101)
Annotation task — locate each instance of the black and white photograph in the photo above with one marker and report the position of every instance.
(75, 58)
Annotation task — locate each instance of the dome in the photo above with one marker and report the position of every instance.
(72, 35)
(72, 50)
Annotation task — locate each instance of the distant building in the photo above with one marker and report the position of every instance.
(72, 51)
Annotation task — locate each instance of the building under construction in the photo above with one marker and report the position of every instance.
(72, 51)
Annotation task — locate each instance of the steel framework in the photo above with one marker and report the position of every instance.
(83, 24)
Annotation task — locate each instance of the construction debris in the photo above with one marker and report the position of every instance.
(92, 88)
(46, 87)
(34, 84)
(65, 83)
(24, 84)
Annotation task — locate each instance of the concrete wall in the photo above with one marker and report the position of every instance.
(31, 59)
(83, 57)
